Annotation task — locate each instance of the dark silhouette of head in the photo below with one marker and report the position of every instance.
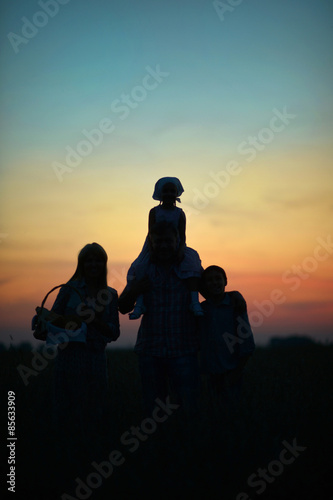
(163, 241)
(169, 194)
(92, 264)
(160, 185)
(209, 281)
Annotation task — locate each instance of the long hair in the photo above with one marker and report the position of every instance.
(91, 249)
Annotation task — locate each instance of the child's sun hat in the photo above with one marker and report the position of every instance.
(166, 180)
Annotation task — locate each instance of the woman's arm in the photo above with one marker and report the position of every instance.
(110, 328)
(60, 302)
(69, 321)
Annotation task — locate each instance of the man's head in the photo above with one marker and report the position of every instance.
(163, 239)
(213, 282)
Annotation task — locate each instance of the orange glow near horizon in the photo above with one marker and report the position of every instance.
(247, 131)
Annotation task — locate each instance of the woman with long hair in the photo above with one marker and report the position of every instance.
(80, 375)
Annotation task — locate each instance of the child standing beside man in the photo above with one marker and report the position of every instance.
(226, 338)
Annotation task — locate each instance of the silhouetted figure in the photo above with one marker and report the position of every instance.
(80, 376)
(167, 191)
(167, 341)
(226, 338)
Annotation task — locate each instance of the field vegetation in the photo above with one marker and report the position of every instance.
(287, 404)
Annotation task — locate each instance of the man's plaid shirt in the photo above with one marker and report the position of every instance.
(168, 327)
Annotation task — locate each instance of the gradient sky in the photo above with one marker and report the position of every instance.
(240, 109)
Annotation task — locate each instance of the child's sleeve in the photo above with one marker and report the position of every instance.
(151, 219)
(244, 330)
(182, 227)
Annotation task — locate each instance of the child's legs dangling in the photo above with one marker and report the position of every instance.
(139, 308)
(193, 285)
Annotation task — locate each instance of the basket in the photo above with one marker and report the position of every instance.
(44, 316)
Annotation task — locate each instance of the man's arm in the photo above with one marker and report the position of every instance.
(130, 293)
(127, 300)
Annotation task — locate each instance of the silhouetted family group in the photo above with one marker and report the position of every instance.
(163, 286)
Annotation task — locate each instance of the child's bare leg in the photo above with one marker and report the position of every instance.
(193, 285)
(139, 308)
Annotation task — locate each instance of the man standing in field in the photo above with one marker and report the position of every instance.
(167, 341)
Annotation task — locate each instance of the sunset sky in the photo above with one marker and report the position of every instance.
(101, 98)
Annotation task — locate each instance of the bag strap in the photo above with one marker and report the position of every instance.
(60, 286)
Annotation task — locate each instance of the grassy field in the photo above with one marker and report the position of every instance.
(278, 445)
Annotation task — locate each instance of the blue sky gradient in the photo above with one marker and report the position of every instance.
(222, 83)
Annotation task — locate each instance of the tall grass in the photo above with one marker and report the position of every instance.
(287, 396)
